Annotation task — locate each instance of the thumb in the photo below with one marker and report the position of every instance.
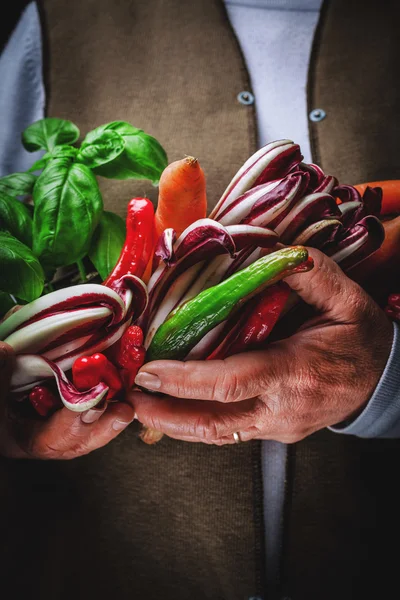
(6, 367)
(329, 290)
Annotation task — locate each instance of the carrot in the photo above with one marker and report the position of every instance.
(181, 195)
(380, 272)
(391, 194)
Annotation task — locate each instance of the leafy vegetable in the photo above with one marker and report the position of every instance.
(68, 207)
(63, 151)
(47, 133)
(101, 149)
(107, 243)
(15, 217)
(21, 273)
(17, 184)
(142, 158)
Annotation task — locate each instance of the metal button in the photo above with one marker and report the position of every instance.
(318, 114)
(245, 98)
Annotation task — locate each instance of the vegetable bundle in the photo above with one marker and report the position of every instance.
(214, 283)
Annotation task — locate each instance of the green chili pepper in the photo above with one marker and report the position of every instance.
(188, 324)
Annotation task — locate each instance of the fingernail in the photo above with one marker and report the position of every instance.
(91, 416)
(148, 380)
(119, 425)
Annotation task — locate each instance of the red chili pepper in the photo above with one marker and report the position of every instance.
(43, 400)
(129, 354)
(393, 307)
(139, 241)
(256, 322)
(88, 371)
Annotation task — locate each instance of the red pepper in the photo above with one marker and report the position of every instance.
(88, 371)
(255, 323)
(393, 307)
(129, 354)
(43, 400)
(139, 241)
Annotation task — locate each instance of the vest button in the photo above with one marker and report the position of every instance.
(318, 114)
(245, 98)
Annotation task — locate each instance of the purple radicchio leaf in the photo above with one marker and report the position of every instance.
(346, 193)
(270, 209)
(372, 200)
(316, 175)
(319, 234)
(271, 162)
(311, 208)
(357, 243)
(164, 249)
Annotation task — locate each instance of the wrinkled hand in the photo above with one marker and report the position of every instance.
(62, 436)
(322, 375)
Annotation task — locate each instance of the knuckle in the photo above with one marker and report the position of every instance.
(206, 429)
(228, 387)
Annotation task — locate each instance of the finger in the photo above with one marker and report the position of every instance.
(205, 421)
(234, 379)
(329, 290)
(222, 441)
(65, 435)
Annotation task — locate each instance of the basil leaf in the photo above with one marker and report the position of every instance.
(68, 207)
(17, 184)
(142, 158)
(16, 218)
(100, 148)
(107, 243)
(6, 303)
(63, 151)
(47, 133)
(21, 273)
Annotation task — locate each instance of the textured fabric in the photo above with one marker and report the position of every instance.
(21, 92)
(381, 416)
(276, 46)
(296, 5)
(358, 139)
(131, 521)
(171, 71)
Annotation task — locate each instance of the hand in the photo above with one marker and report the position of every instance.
(62, 436)
(322, 375)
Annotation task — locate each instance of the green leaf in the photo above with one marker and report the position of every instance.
(6, 303)
(21, 273)
(107, 243)
(100, 148)
(16, 218)
(17, 184)
(142, 158)
(68, 207)
(62, 151)
(47, 133)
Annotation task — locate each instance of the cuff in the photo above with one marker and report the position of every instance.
(381, 417)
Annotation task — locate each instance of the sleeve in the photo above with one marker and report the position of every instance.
(381, 417)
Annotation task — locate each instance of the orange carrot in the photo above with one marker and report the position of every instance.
(181, 195)
(378, 273)
(390, 197)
